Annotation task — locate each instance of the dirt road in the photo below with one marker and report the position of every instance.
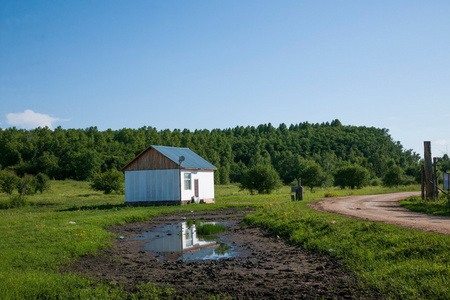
(384, 208)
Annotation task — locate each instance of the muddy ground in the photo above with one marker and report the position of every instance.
(267, 268)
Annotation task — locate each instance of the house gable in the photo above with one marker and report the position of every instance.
(150, 159)
(163, 158)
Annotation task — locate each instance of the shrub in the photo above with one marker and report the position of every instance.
(262, 178)
(108, 181)
(313, 176)
(42, 183)
(375, 182)
(351, 176)
(26, 185)
(17, 201)
(330, 194)
(393, 177)
(8, 182)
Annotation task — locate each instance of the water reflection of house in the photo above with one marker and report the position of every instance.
(176, 240)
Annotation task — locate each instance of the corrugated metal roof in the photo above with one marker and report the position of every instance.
(192, 159)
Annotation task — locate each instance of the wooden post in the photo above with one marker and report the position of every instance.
(428, 171)
(435, 180)
(422, 177)
(299, 194)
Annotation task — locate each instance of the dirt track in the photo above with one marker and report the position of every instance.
(384, 208)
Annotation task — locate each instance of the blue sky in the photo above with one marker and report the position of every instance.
(221, 64)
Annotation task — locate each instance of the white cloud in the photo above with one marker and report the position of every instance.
(30, 120)
(443, 142)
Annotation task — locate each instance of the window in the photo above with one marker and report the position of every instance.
(187, 181)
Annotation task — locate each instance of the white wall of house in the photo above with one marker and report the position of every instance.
(205, 185)
(152, 185)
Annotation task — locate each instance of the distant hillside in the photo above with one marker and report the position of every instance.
(78, 153)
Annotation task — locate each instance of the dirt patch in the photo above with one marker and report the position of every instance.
(268, 267)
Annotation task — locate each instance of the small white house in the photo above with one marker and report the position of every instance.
(162, 175)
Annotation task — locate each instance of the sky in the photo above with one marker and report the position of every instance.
(221, 64)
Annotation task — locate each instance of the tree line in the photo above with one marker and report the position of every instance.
(291, 150)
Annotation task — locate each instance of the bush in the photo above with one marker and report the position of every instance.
(42, 183)
(351, 176)
(26, 185)
(393, 177)
(8, 181)
(17, 201)
(313, 176)
(330, 194)
(108, 181)
(375, 182)
(262, 178)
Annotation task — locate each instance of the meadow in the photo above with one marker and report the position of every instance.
(71, 220)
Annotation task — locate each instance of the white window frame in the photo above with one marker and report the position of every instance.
(187, 181)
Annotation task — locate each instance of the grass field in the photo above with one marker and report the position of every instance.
(71, 220)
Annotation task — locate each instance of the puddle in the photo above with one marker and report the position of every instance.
(180, 241)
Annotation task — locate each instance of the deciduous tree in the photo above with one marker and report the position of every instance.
(261, 178)
(351, 176)
(394, 176)
(108, 182)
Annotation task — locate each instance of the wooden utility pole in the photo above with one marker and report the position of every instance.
(428, 178)
(435, 180)
(422, 178)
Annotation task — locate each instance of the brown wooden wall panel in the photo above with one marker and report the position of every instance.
(150, 159)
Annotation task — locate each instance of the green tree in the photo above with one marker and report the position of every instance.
(444, 163)
(351, 176)
(42, 183)
(26, 185)
(394, 176)
(237, 170)
(313, 176)
(8, 181)
(289, 166)
(261, 178)
(108, 182)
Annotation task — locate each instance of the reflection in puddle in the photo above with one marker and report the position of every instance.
(178, 241)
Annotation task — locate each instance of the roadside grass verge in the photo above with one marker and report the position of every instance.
(401, 263)
(439, 207)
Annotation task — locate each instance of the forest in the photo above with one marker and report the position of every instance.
(80, 153)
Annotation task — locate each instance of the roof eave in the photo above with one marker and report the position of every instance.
(200, 169)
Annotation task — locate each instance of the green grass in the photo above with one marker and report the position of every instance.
(71, 221)
(439, 207)
(55, 229)
(227, 194)
(402, 263)
(210, 228)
